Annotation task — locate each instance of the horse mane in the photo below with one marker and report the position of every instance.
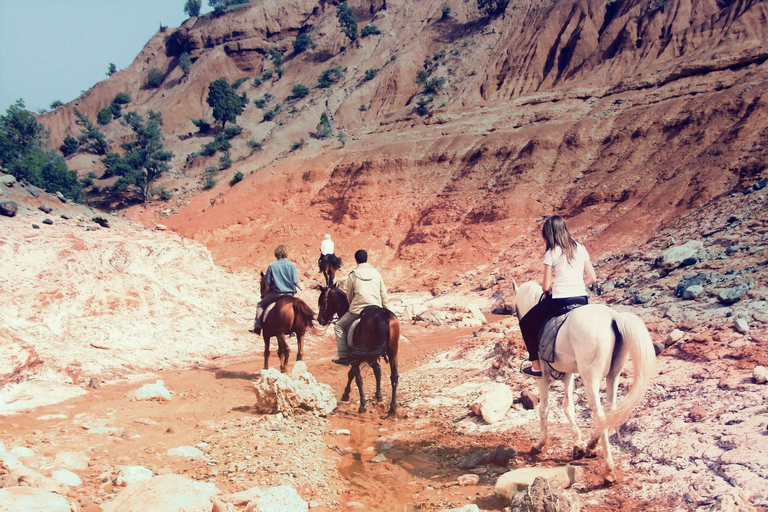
(527, 296)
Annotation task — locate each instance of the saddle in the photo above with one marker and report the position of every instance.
(548, 334)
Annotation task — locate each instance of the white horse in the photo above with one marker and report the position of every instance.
(593, 342)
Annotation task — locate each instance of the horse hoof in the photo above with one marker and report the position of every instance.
(344, 398)
(578, 453)
(609, 478)
(535, 450)
(361, 409)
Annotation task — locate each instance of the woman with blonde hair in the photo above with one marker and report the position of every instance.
(566, 262)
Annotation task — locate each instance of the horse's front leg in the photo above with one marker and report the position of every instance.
(394, 378)
(266, 349)
(543, 411)
(377, 373)
(359, 382)
(570, 413)
(348, 388)
(283, 352)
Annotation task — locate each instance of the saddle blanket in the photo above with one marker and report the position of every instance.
(548, 335)
(351, 333)
(267, 312)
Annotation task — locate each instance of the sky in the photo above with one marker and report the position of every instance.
(56, 49)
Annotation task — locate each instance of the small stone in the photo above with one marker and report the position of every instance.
(101, 221)
(760, 374)
(48, 222)
(693, 292)
(674, 336)
(741, 325)
(697, 414)
(160, 227)
(658, 348)
(45, 208)
(468, 479)
(8, 208)
(35, 226)
(528, 400)
(61, 197)
(732, 295)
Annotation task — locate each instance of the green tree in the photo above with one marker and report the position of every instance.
(276, 56)
(56, 104)
(185, 63)
(329, 77)
(24, 153)
(155, 78)
(104, 116)
(492, 7)
(324, 129)
(90, 136)
(227, 105)
(122, 98)
(192, 8)
(69, 145)
(111, 70)
(370, 30)
(446, 11)
(347, 20)
(298, 91)
(145, 157)
(302, 42)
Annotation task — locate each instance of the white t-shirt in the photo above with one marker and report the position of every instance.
(326, 246)
(567, 278)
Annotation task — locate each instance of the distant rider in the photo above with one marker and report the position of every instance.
(282, 278)
(365, 287)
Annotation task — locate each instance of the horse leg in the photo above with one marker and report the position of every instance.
(266, 349)
(570, 413)
(300, 345)
(377, 373)
(283, 352)
(394, 377)
(348, 388)
(592, 390)
(359, 382)
(543, 411)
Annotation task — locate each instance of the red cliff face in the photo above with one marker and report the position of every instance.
(622, 115)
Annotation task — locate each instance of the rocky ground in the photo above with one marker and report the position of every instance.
(86, 298)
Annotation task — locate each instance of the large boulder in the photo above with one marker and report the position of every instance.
(679, 255)
(493, 406)
(278, 392)
(26, 499)
(8, 208)
(164, 493)
(283, 498)
(545, 496)
(515, 481)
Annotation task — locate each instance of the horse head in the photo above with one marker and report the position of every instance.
(263, 286)
(331, 302)
(527, 295)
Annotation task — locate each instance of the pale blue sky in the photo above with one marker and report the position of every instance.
(54, 49)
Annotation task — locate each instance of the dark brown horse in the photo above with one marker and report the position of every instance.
(290, 315)
(329, 264)
(377, 335)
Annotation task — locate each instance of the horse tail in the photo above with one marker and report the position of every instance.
(301, 308)
(638, 341)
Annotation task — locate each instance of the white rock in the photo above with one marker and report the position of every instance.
(152, 391)
(518, 480)
(186, 451)
(283, 498)
(72, 460)
(24, 499)
(693, 292)
(493, 406)
(468, 479)
(466, 508)
(760, 374)
(675, 335)
(741, 325)
(132, 474)
(278, 392)
(476, 313)
(67, 477)
(674, 256)
(164, 493)
(23, 451)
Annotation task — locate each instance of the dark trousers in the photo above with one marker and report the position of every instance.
(534, 320)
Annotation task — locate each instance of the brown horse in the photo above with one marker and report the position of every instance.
(290, 315)
(329, 264)
(377, 335)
